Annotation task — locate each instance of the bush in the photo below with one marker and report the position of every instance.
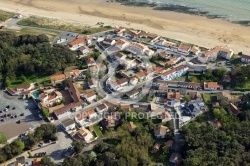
(2, 138)
(45, 112)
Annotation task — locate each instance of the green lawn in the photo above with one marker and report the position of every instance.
(245, 86)
(98, 131)
(2, 138)
(182, 78)
(208, 98)
(30, 79)
(5, 15)
(144, 39)
(194, 78)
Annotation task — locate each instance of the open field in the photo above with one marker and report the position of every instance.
(50, 33)
(208, 98)
(59, 25)
(29, 79)
(5, 15)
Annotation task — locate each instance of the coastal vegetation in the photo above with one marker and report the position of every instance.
(240, 78)
(30, 58)
(5, 15)
(203, 144)
(55, 24)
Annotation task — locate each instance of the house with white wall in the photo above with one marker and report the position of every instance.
(245, 58)
(174, 73)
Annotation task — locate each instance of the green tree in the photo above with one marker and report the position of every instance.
(20, 144)
(45, 112)
(220, 72)
(2, 138)
(187, 98)
(88, 75)
(46, 161)
(23, 78)
(78, 145)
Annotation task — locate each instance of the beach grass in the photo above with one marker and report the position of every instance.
(5, 15)
(56, 24)
(50, 33)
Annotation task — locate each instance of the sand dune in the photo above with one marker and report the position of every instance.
(188, 28)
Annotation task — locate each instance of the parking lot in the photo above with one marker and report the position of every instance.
(58, 150)
(21, 115)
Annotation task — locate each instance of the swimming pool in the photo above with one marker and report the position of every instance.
(35, 94)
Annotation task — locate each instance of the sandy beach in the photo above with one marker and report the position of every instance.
(188, 28)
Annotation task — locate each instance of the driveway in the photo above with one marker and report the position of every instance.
(56, 151)
(17, 106)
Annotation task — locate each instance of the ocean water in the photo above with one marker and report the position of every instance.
(233, 10)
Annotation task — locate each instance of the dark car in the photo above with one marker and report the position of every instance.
(22, 114)
(13, 108)
(18, 122)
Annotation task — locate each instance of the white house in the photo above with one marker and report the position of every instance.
(108, 41)
(245, 58)
(129, 63)
(212, 86)
(139, 48)
(212, 54)
(92, 83)
(117, 85)
(101, 108)
(174, 73)
(133, 80)
(68, 124)
(165, 43)
(183, 48)
(84, 49)
(91, 62)
(122, 44)
(78, 42)
(85, 134)
(161, 131)
(195, 50)
(90, 96)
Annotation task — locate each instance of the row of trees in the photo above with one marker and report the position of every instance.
(43, 132)
(29, 54)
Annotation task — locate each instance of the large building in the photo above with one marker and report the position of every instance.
(212, 54)
(174, 73)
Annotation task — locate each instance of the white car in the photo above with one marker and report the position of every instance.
(40, 116)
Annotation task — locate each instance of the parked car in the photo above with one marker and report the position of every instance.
(22, 114)
(40, 116)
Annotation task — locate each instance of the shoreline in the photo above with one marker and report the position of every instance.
(181, 9)
(184, 27)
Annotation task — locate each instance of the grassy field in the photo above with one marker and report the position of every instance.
(208, 98)
(98, 131)
(2, 138)
(50, 33)
(5, 15)
(59, 25)
(143, 39)
(245, 86)
(30, 79)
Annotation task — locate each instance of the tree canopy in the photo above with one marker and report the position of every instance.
(30, 54)
(205, 145)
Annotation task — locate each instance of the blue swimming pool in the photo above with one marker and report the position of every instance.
(35, 94)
